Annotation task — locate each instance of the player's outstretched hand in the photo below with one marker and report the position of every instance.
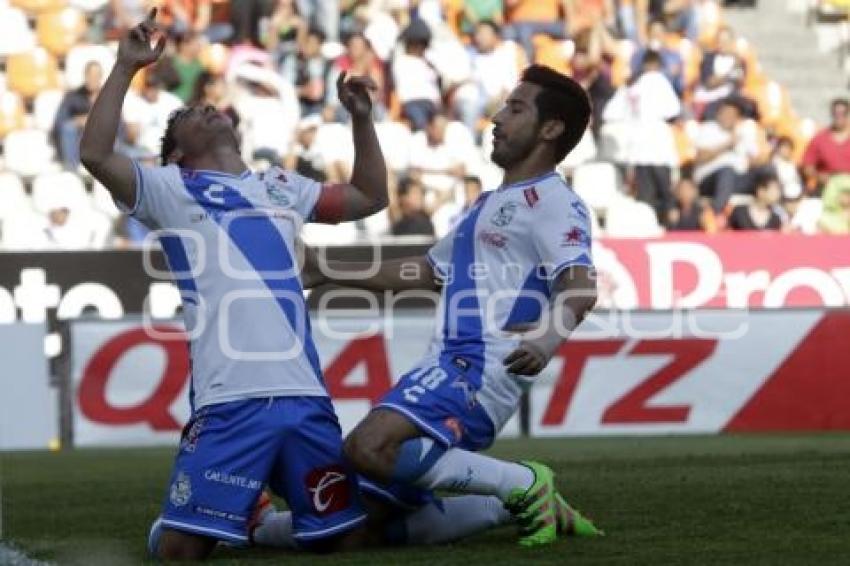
(353, 93)
(528, 359)
(137, 49)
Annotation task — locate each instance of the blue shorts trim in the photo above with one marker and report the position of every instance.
(433, 432)
(206, 531)
(330, 531)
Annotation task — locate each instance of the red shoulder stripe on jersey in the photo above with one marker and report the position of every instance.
(330, 208)
(531, 196)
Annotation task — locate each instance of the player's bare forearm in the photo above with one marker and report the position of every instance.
(404, 274)
(573, 296)
(369, 174)
(98, 140)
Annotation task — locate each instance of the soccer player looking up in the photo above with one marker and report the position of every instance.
(517, 277)
(260, 412)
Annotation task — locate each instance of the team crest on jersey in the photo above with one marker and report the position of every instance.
(276, 195)
(505, 214)
(181, 490)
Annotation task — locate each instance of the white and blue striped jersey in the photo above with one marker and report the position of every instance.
(229, 243)
(497, 267)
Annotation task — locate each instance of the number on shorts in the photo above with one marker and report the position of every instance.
(429, 380)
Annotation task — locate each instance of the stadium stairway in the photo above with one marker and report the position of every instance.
(789, 52)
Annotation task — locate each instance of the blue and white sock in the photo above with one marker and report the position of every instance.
(450, 519)
(426, 464)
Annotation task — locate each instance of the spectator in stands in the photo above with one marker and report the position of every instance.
(671, 61)
(439, 156)
(591, 67)
(184, 16)
(245, 17)
(688, 212)
(828, 153)
(722, 70)
(284, 31)
(495, 71)
(146, 113)
(786, 168)
(308, 71)
(835, 218)
(359, 59)
(412, 217)
(447, 217)
(184, 67)
(124, 14)
(681, 16)
(323, 13)
(527, 18)
(764, 212)
(726, 148)
(417, 83)
(305, 156)
(71, 116)
(645, 107)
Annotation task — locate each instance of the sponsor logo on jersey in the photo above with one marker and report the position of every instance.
(531, 196)
(232, 479)
(505, 214)
(219, 514)
(494, 239)
(575, 237)
(328, 489)
(181, 490)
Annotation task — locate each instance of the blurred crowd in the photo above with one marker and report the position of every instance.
(688, 133)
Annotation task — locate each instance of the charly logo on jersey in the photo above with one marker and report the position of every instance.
(329, 489)
(505, 214)
(181, 490)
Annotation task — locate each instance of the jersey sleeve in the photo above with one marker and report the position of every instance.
(293, 191)
(156, 191)
(561, 233)
(440, 255)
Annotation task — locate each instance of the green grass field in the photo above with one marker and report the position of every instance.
(770, 500)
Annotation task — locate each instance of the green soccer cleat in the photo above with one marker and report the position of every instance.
(534, 508)
(572, 523)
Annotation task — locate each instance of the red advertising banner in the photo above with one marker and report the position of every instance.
(725, 270)
(705, 371)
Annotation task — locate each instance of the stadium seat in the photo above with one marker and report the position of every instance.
(13, 197)
(53, 190)
(28, 152)
(44, 108)
(79, 56)
(32, 72)
(102, 202)
(629, 218)
(15, 33)
(39, 6)
(88, 6)
(60, 30)
(597, 184)
(394, 138)
(12, 115)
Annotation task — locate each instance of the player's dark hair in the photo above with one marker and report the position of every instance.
(562, 99)
(169, 143)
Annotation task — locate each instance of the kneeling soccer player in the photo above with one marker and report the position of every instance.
(516, 277)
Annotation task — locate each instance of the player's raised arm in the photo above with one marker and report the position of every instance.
(403, 274)
(97, 146)
(366, 194)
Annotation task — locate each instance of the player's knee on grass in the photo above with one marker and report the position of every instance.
(177, 545)
(373, 445)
